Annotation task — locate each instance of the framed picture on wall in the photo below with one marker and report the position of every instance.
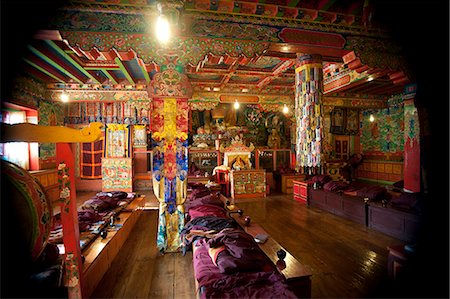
(338, 121)
(352, 123)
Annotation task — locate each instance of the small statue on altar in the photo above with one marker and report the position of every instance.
(238, 164)
(200, 130)
(236, 139)
(274, 140)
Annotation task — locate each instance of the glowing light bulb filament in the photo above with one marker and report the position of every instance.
(162, 29)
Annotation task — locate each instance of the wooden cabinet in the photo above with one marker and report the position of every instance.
(400, 224)
(342, 147)
(301, 191)
(396, 223)
(142, 169)
(248, 183)
(273, 159)
(287, 182)
(397, 259)
(350, 207)
(205, 159)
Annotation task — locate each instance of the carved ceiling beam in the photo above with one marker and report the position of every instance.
(353, 102)
(45, 69)
(98, 79)
(55, 47)
(56, 64)
(233, 67)
(113, 78)
(278, 70)
(102, 95)
(37, 74)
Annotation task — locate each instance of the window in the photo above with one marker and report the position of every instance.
(21, 153)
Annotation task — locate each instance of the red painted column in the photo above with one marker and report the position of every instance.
(411, 171)
(69, 219)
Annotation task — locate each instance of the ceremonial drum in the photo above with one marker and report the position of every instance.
(29, 211)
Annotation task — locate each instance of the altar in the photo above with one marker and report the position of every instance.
(245, 181)
(248, 183)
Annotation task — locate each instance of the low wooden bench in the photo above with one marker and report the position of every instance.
(101, 252)
(297, 275)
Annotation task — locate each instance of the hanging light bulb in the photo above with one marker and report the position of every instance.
(236, 105)
(285, 109)
(162, 29)
(64, 97)
(371, 118)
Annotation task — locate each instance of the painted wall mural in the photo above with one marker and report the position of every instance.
(27, 92)
(386, 133)
(49, 114)
(129, 112)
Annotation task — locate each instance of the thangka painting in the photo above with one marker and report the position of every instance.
(140, 136)
(170, 165)
(117, 174)
(117, 141)
(352, 122)
(338, 120)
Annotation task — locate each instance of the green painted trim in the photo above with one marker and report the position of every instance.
(43, 70)
(54, 64)
(328, 5)
(376, 181)
(146, 75)
(99, 68)
(70, 59)
(107, 74)
(293, 3)
(124, 70)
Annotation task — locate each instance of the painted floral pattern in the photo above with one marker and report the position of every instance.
(385, 134)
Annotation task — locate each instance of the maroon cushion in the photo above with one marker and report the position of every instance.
(207, 210)
(200, 192)
(335, 186)
(406, 200)
(208, 200)
(241, 254)
(321, 179)
(373, 192)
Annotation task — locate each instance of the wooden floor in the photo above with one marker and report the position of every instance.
(347, 259)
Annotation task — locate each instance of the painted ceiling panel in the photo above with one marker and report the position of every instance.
(134, 68)
(265, 62)
(283, 81)
(244, 79)
(206, 77)
(118, 74)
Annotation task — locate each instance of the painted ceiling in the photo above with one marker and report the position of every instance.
(224, 47)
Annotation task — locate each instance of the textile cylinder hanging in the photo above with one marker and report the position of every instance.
(170, 168)
(308, 113)
(170, 90)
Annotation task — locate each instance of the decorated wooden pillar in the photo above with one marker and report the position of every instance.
(308, 113)
(411, 171)
(170, 90)
(69, 219)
